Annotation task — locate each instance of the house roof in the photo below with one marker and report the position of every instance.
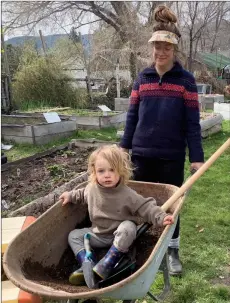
(213, 60)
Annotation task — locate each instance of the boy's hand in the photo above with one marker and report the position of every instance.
(65, 197)
(168, 220)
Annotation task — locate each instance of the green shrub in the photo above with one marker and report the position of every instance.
(99, 99)
(41, 81)
(126, 91)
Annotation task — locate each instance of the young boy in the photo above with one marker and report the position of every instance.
(113, 209)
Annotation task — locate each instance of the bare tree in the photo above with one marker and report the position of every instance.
(196, 17)
(121, 15)
(222, 9)
(130, 22)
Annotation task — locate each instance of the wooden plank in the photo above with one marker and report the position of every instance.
(87, 120)
(23, 119)
(10, 292)
(16, 130)
(89, 143)
(7, 236)
(10, 223)
(13, 294)
(47, 138)
(11, 227)
(54, 128)
(19, 139)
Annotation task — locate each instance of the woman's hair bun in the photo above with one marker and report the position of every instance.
(163, 14)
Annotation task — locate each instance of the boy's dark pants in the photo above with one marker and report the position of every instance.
(159, 171)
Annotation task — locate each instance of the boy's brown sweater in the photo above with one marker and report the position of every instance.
(108, 207)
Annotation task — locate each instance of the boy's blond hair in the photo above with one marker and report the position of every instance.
(117, 158)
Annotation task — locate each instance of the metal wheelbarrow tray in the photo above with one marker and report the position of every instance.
(45, 241)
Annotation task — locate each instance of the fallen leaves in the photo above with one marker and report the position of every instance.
(200, 229)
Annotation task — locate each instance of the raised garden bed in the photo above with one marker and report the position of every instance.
(207, 101)
(34, 129)
(67, 111)
(98, 122)
(210, 124)
(88, 119)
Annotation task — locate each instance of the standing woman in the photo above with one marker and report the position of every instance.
(163, 118)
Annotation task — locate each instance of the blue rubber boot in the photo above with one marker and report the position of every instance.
(77, 277)
(105, 266)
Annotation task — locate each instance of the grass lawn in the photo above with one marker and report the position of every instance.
(205, 224)
(205, 233)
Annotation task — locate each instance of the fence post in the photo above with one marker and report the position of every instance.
(118, 79)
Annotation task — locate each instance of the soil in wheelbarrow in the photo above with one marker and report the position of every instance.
(57, 278)
(36, 178)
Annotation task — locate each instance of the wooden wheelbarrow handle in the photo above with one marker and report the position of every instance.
(188, 184)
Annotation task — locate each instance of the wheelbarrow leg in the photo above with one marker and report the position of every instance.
(166, 289)
(152, 296)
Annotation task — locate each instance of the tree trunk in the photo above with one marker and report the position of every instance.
(133, 65)
(196, 46)
(190, 52)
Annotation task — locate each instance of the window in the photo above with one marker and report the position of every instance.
(208, 89)
(200, 88)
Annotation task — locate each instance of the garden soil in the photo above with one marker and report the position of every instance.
(57, 277)
(37, 178)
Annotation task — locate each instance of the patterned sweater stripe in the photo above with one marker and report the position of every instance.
(164, 117)
(135, 97)
(163, 87)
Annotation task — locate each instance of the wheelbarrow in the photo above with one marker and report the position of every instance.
(43, 243)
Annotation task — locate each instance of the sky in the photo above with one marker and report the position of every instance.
(45, 31)
(57, 28)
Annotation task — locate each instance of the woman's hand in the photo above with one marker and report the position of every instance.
(195, 166)
(65, 197)
(168, 220)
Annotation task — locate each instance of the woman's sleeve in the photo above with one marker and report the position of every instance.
(193, 128)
